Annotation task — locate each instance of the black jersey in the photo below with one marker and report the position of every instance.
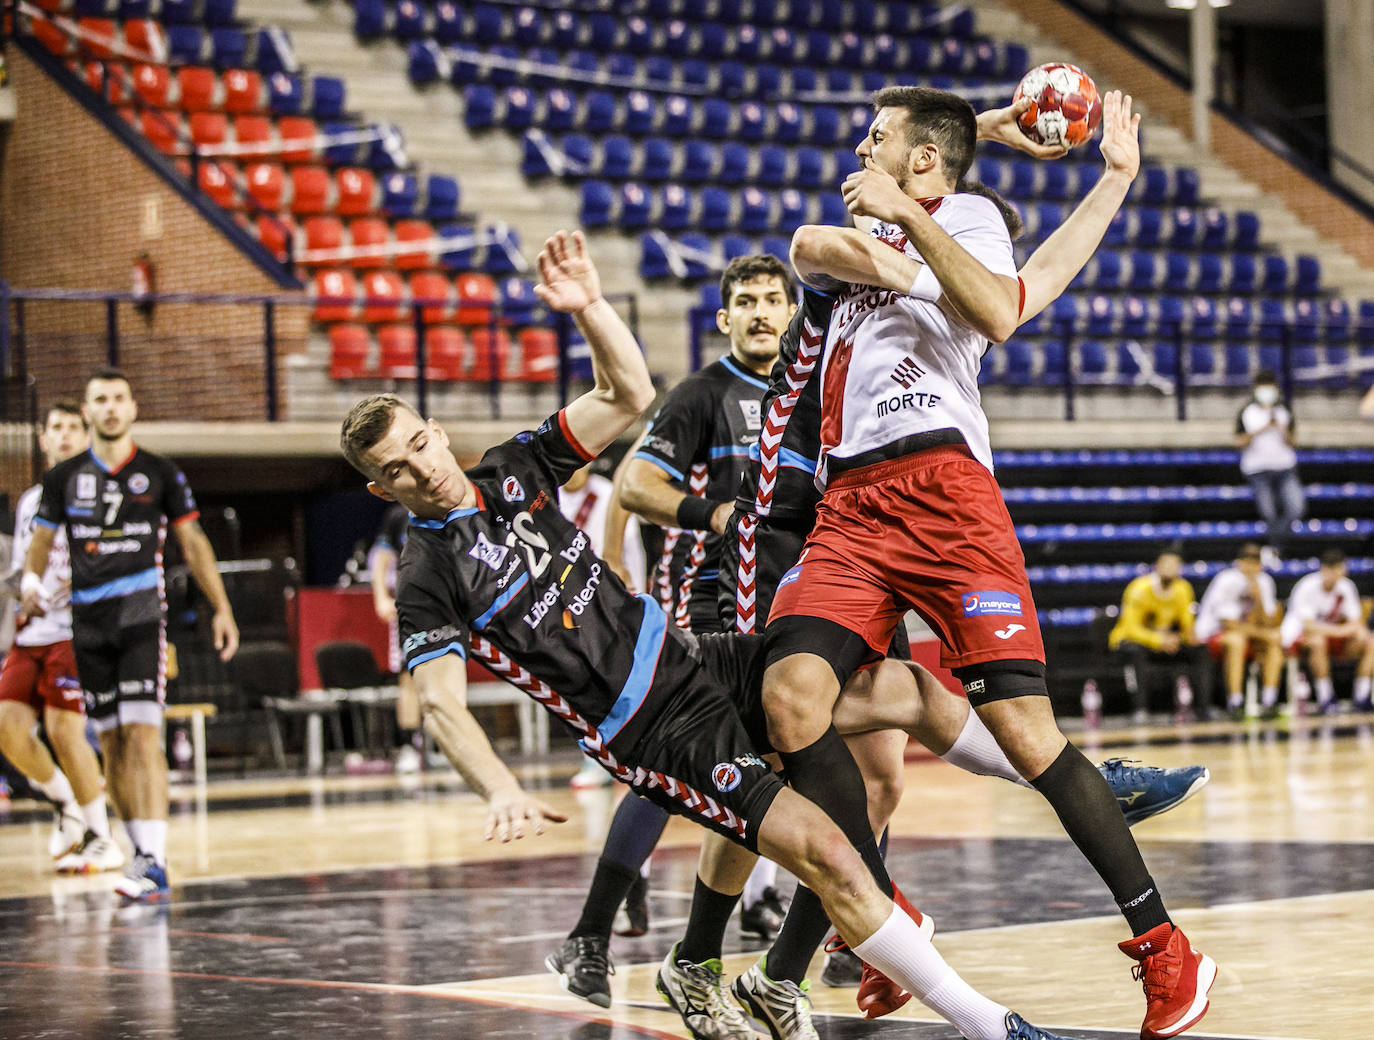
(391, 537)
(515, 571)
(116, 522)
(701, 437)
(780, 478)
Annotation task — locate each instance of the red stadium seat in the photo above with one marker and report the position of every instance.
(155, 85)
(199, 89)
(51, 37)
(266, 184)
(446, 352)
(111, 87)
(386, 291)
(255, 130)
(243, 91)
(349, 346)
(489, 354)
(538, 355)
(365, 233)
(336, 292)
(311, 190)
(216, 181)
(147, 38)
(396, 352)
(297, 139)
(274, 232)
(476, 297)
(165, 131)
(431, 285)
(418, 231)
(323, 233)
(357, 190)
(209, 129)
(98, 36)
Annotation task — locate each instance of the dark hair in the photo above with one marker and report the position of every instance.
(747, 268)
(64, 407)
(109, 372)
(1333, 558)
(366, 424)
(945, 120)
(1266, 377)
(1172, 549)
(1249, 551)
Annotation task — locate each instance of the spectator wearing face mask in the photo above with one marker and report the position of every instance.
(1264, 436)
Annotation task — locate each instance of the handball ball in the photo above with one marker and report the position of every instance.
(1065, 106)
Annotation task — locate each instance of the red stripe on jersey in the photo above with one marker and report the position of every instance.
(832, 394)
(192, 515)
(1021, 304)
(567, 432)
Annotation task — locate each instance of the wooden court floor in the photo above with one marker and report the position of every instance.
(371, 907)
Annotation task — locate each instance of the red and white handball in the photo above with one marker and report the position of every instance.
(1065, 105)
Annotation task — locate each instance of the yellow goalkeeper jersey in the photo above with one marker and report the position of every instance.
(1148, 611)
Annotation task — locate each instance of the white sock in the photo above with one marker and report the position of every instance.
(976, 751)
(57, 787)
(903, 954)
(1325, 690)
(644, 867)
(1269, 696)
(150, 836)
(1235, 700)
(97, 817)
(763, 877)
(1363, 687)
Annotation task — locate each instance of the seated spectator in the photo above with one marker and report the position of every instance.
(1155, 634)
(1238, 620)
(1325, 621)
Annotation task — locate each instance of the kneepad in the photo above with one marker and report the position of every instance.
(1002, 680)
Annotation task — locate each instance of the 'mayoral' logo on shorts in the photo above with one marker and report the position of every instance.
(790, 576)
(980, 604)
(726, 776)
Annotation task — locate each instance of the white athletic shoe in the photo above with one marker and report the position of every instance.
(782, 1008)
(695, 992)
(93, 856)
(408, 760)
(68, 830)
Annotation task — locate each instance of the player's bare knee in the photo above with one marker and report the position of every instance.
(16, 723)
(884, 790)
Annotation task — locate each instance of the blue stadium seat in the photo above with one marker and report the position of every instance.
(448, 22)
(1135, 317)
(885, 53)
(985, 59)
(833, 211)
(696, 249)
(993, 173)
(1202, 317)
(369, 18)
(1127, 364)
(1275, 276)
(1309, 275)
(1054, 181)
(1149, 222)
(792, 210)
(1154, 185)
(1237, 364)
(140, 9)
(717, 206)
(635, 205)
(1335, 318)
(1207, 276)
(172, 12)
(1239, 319)
(423, 62)
(1273, 319)
(617, 158)
(1202, 362)
(464, 67)
(489, 25)
(952, 56)
(1053, 363)
(653, 259)
(1243, 273)
(694, 73)
(674, 210)
(409, 23)
(713, 42)
(1216, 228)
(1145, 271)
(1106, 269)
(1166, 360)
(527, 27)
(731, 246)
(1022, 179)
(732, 79)
(1183, 229)
(597, 202)
(579, 154)
(787, 123)
(773, 166)
(602, 29)
(767, 80)
(782, 46)
(659, 71)
(1186, 186)
(229, 48)
(441, 197)
(599, 110)
(1178, 272)
(560, 111)
(851, 50)
(1092, 360)
(839, 80)
(716, 117)
(756, 211)
(341, 154)
(285, 94)
(753, 121)
(519, 304)
(1019, 363)
(639, 35)
(273, 52)
(1247, 230)
(1170, 314)
(546, 71)
(517, 110)
(656, 157)
(775, 245)
(1102, 316)
(1270, 357)
(811, 169)
(563, 32)
(185, 44)
(1305, 321)
(698, 160)
(587, 63)
(399, 194)
(734, 163)
(456, 258)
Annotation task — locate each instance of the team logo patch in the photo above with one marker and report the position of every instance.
(726, 776)
(790, 576)
(138, 483)
(980, 604)
(753, 414)
(490, 553)
(511, 490)
(85, 486)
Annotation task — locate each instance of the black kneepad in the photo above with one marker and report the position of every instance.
(1002, 680)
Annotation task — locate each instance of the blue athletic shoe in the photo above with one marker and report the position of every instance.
(1145, 791)
(145, 880)
(1019, 1029)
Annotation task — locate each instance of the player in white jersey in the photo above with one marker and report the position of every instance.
(1238, 621)
(912, 517)
(40, 673)
(1325, 620)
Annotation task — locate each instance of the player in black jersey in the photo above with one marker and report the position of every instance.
(116, 502)
(381, 564)
(491, 560)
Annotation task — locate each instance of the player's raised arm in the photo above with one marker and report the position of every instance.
(623, 390)
(442, 684)
(999, 124)
(1060, 257)
(827, 257)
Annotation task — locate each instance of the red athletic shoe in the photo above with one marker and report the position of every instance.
(1175, 977)
(879, 995)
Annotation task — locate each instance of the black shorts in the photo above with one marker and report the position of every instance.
(755, 554)
(697, 758)
(121, 666)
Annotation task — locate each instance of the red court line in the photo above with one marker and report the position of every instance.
(373, 987)
(226, 936)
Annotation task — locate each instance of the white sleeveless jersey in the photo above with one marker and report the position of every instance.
(56, 625)
(896, 366)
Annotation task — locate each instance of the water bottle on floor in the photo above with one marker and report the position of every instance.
(1092, 705)
(1183, 700)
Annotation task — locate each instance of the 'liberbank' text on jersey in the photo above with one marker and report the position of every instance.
(116, 521)
(701, 437)
(898, 372)
(513, 569)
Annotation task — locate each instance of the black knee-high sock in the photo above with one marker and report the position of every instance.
(1089, 813)
(705, 933)
(826, 773)
(610, 884)
(635, 829)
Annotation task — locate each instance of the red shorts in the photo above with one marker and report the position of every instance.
(927, 532)
(39, 675)
(1338, 648)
